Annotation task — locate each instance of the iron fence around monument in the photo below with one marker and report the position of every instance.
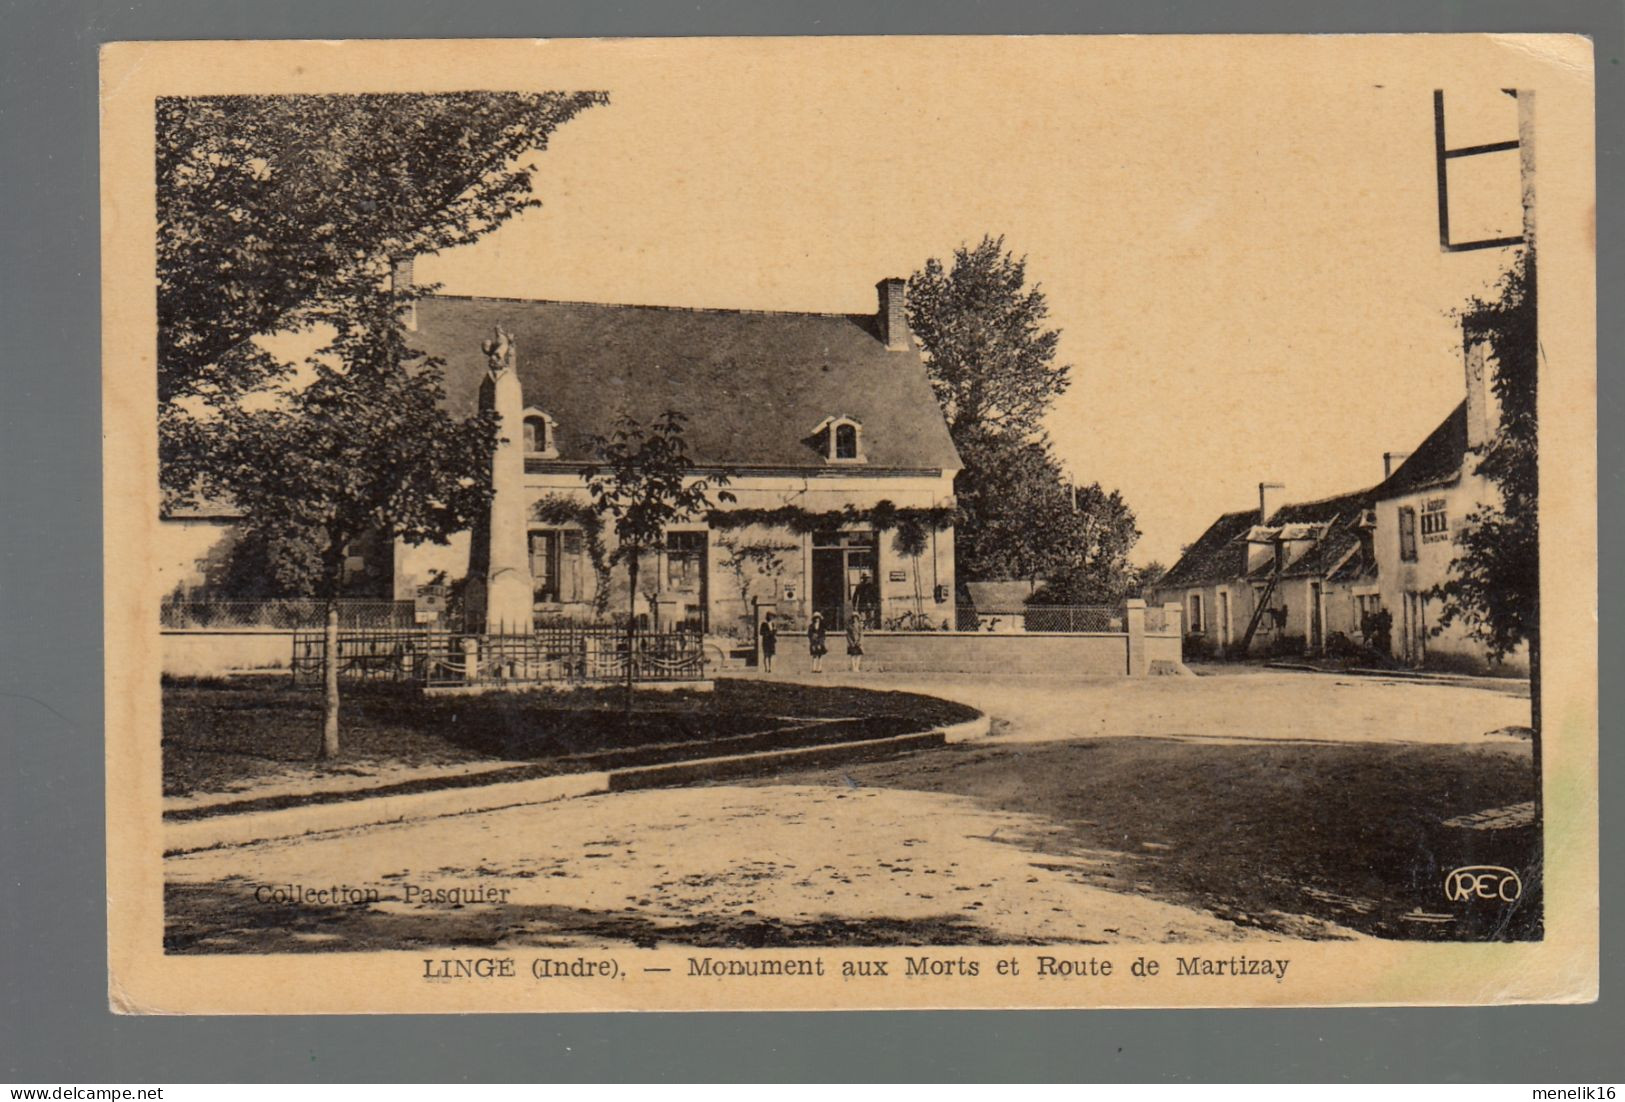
(1019, 618)
(552, 654)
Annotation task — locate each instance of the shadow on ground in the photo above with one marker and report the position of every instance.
(222, 734)
(1281, 836)
(225, 918)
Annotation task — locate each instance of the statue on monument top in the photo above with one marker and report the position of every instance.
(499, 352)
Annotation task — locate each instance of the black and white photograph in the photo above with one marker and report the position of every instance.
(824, 523)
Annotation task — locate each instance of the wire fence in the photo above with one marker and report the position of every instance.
(563, 653)
(285, 615)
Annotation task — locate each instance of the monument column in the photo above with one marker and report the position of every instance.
(508, 588)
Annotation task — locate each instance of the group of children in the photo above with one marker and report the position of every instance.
(817, 645)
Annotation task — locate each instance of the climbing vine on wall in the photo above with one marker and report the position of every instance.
(883, 516)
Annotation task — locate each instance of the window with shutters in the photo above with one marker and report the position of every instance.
(558, 566)
(1407, 533)
(544, 567)
(572, 566)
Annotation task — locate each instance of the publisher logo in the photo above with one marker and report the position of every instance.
(1472, 883)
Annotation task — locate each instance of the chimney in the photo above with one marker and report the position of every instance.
(1391, 462)
(893, 318)
(1483, 411)
(400, 279)
(1269, 500)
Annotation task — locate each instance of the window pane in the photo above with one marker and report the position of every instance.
(846, 442)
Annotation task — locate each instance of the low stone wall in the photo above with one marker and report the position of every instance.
(1098, 654)
(214, 652)
(1164, 653)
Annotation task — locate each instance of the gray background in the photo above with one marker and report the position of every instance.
(55, 1026)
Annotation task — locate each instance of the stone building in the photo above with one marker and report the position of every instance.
(825, 423)
(1422, 506)
(1310, 564)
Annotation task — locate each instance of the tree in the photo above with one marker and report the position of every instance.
(1092, 566)
(911, 540)
(643, 479)
(1494, 583)
(990, 360)
(993, 366)
(747, 561)
(1147, 577)
(272, 209)
(364, 448)
(1022, 518)
(1495, 578)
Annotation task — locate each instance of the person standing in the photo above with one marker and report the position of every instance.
(816, 642)
(854, 641)
(769, 640)
(866, 597)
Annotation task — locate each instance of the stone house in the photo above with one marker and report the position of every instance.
(1422, 506)
(1310, 564)
(825, 423)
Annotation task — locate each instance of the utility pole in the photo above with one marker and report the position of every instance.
(1525, 146)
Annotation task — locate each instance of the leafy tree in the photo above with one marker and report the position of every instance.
(643, 479)
(989, 357)
(1023, 519)
(1147, 577)
(747, 561)
(1091, 566)
(993, 366)
(363, 449)
(1495, 583)
(273, 209)
(911, 539)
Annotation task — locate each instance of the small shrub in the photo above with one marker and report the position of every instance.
(1377, 629)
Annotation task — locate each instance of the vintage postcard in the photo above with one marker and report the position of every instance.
(850, 523)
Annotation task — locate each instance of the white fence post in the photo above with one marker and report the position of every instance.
(1139, 664)
(1173, 616)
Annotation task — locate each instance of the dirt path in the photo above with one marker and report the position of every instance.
(708, 866)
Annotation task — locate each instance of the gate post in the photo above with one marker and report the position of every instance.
(1139, 663)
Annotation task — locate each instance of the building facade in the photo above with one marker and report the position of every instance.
(825, 425)
(1420, 509)
(1310, 565)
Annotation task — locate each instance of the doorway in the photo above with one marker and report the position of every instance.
(1315, 630)
(687, 577)
(843, 577)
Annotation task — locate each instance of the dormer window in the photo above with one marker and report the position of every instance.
(841, 439)
(540, 440)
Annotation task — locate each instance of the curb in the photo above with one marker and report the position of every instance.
(225, 831)
(1425, 677)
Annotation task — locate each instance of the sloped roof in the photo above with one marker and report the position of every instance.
(1435, 462)
(753, 385)
(1219, 554)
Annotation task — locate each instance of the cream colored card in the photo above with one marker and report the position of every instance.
(1235, 785)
